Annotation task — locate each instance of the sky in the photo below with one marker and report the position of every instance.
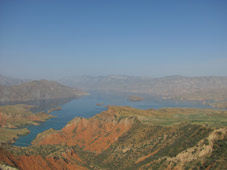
(53, 39)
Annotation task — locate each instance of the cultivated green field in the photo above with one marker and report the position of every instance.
(171, 116)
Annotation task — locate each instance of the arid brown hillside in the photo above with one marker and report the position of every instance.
(35, 160)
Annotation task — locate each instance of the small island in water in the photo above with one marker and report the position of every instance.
(135, 98)
(219, 105)
(54, 109)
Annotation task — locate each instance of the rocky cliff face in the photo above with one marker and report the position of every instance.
(203, 149)
(37, 90)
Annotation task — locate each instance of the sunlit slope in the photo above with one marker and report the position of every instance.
(170, 116)
(122, 138)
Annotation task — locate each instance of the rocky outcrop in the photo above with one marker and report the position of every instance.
(203, 149)
(7, 167)
(69, 161)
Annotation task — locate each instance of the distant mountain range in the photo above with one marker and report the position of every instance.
(37, 90)
(120, 137)
(202, 88)
(174, 87)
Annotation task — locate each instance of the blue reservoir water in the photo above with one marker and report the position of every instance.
(86, 107)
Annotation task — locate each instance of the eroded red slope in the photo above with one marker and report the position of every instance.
(94, 134)
(68, 161)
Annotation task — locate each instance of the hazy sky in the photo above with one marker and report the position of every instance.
(53, 39)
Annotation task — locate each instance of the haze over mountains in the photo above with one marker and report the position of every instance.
(9, 81)
(176, 87)
(174, 122)
(169, 87)
(37, 90)
(121, 137)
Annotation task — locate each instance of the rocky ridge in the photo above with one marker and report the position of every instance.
(123, 138)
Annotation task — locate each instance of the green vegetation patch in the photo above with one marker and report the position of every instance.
(13, 116)
(172, 116)
(9, 135)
